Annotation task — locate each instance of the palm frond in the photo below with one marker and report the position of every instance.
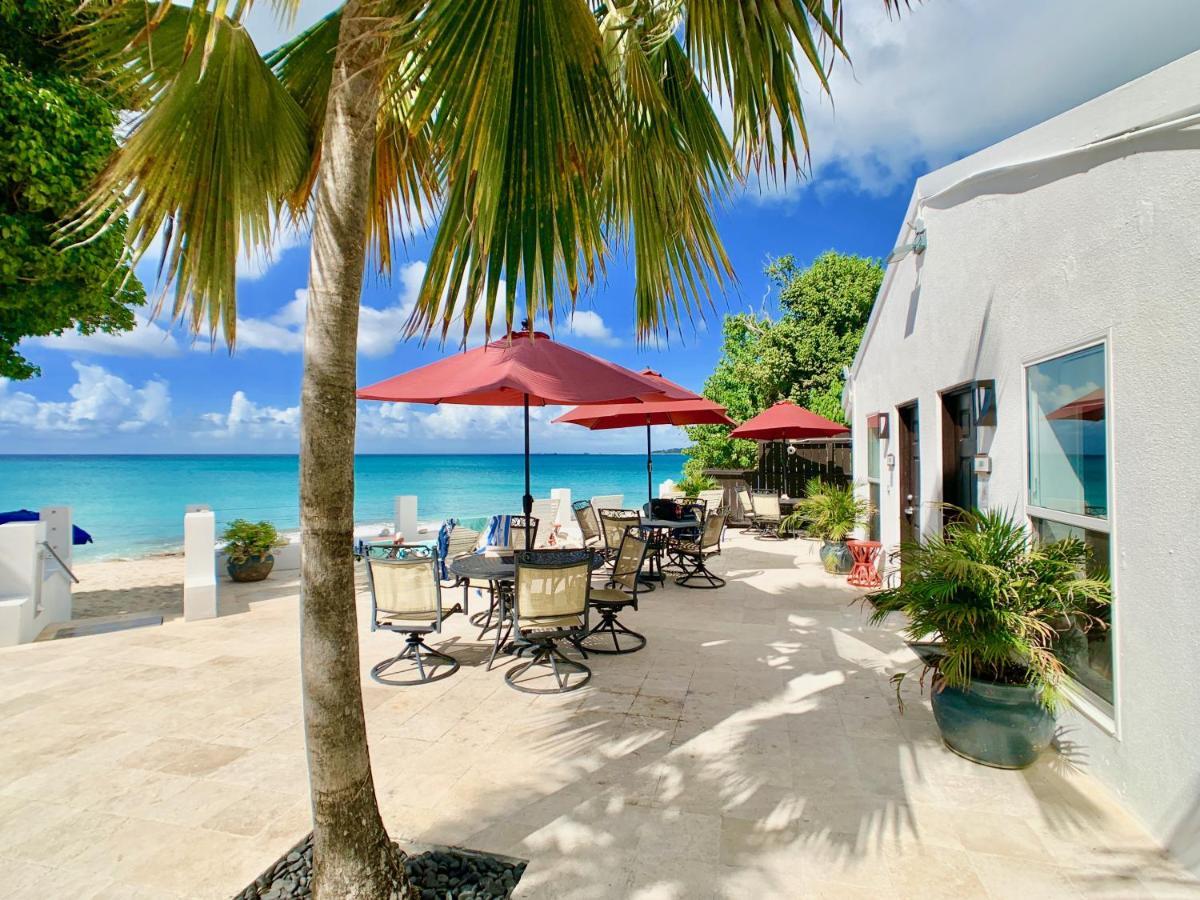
(208, 166)
(521, 105)
(747, 52)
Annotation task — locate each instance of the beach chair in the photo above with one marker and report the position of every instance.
(693, 556)
(406, 597)
(767, 514)
(611, 501)
(620, 592)
(713, 500)
(550, 604)
(589, 525)
(546, 512)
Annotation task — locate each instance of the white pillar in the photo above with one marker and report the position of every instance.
(200, 563)
(564, 516)
(59, 534)
(56, 593)
(405, 516)
(667, 489)
(20, 578)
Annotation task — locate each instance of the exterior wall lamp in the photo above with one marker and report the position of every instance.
(985, 403)
(879, 421)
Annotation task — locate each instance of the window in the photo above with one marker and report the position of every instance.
(873, 481)
(1066, 412)
(1068, 466)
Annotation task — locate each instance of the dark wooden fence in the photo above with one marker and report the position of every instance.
(787, 473)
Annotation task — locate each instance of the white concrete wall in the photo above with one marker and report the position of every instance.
(1033, 262)
(21, 618)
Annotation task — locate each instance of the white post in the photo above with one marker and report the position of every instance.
(200, 563)
(564, 516)
(20, 577)
(667, 489)
(59, 534)
(406, 516)
(56, 595)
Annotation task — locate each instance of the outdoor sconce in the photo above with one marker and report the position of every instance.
(985, 404)
(879, 421)
(791, 451)
(890, 461)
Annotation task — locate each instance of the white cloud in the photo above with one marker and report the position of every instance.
(950, 77)
(146, 339)
(100, 403)
(587, 324)
(254, 265)
(247, 419)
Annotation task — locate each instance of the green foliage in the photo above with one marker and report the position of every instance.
(691, 487)
(828, 511)
(244, 539)
(800, 357)
(56, 131)
(995, 601)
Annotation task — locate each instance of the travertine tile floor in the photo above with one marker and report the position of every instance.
(752, 750)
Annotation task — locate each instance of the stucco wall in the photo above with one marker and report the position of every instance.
(1032, 262)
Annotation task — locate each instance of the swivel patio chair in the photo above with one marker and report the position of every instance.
(550, 604)
(613, 523)
(517, 529)
(746, 502)
(767, 514)
(589, 527)
(406, 597)
(693, 556)
(619, 592)
(460, 542)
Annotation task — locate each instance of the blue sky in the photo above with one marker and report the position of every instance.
(942, 82)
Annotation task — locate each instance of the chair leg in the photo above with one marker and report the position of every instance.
(700, 570)
(609, 625)
(548, 656)
(418, 653)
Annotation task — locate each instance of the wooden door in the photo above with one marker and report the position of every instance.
(908, 444)
(958, 449)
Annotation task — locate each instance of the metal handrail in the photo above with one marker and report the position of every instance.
(65, 567)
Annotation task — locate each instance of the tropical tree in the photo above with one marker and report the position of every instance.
(541, 136)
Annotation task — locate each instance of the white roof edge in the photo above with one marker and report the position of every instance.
(1151, 99)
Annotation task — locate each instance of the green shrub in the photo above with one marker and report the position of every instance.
(828, 511)
(245, 539)
(692, 485)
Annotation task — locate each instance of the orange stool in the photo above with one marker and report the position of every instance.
(864, 572)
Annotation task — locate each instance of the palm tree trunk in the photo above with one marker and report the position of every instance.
(352, 857)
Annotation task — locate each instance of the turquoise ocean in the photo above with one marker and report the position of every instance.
(134, 505)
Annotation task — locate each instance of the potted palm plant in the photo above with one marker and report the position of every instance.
(829, 512)
(248, 547)
(987, 605)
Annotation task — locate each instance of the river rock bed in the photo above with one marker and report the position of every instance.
(437, 872)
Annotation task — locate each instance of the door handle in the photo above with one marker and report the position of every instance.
(908, 510)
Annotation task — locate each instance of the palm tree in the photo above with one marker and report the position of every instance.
(541, 136)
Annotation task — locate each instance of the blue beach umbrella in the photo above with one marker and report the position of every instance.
(78, 535)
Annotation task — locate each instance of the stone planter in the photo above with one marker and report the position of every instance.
(256, 568)
(836, 558)
(1000, 725)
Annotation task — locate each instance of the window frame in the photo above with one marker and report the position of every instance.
(1094, 707)
(873, 435)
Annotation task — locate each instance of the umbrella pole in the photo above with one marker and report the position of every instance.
(649, 469)
(527, 500)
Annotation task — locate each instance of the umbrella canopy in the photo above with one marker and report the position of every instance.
(1089, 408)
(519, 369)
(787, 421)
(78, 535)
(695, 410)
(524, 369)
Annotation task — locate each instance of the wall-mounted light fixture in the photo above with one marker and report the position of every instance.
(985, 403)
(879, 421)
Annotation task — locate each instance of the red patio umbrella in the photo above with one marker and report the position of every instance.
(787, 421)
(695, 410)
(523, 369)
(1089, 408)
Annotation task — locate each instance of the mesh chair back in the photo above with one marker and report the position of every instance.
(711, 536)
(462, 542)
(746, 501)
(766, 505)
(628, 566)
(693, 509)
(552, 588)
(613, 523)
(405, 588)
(586, 517)
(713, 498)
(517, 531)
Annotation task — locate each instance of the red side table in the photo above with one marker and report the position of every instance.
(864, 572)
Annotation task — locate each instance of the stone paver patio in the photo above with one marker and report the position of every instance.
(752, 750)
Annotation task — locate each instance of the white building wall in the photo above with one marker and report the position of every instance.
(1033, 262)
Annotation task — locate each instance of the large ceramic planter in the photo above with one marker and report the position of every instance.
(256, 568)
(836, 558)
(999, 725)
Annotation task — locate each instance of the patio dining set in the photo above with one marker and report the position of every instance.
(541, 603)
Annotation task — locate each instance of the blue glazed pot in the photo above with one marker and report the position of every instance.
(1000, 725)
(256, 568)
(836, 558)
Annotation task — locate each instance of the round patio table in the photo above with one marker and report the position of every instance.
(656, 567)
(865, 571)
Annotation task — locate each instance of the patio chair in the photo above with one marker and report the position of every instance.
(406, 597)
(517, 529)
(693, 556)
(767, 514)
(746, 502)
(619, 592)
(589, 527)
(550, 604)
(713, 499)
(459, 541)
(613, 523)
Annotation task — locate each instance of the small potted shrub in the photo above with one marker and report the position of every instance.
(692, 486)
(248, 547)
(829, 512)
(991, 604)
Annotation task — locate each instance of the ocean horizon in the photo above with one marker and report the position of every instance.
(133, 503)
